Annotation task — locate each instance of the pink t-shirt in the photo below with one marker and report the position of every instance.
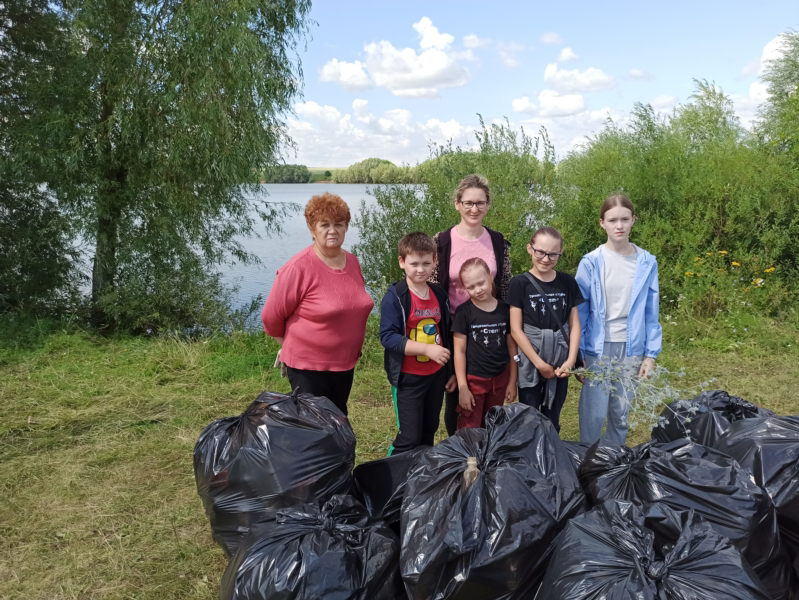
(463, 250)
(321, 312)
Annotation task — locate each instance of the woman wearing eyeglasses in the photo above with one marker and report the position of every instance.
(469, 239)
(545, 325)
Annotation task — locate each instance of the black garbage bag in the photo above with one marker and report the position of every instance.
(704, 418)
(283, 450)
(618, 551)
(491, 540)
(769, 449)
(337, 552)
(576, 452)
(380, 484)
(683, 475)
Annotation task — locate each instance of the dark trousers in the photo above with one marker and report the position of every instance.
(534, 396)
(333, 385)
(451, 403)
(417, 403)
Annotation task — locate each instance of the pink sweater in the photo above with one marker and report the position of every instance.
(321, 312)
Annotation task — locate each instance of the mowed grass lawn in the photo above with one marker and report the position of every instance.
(97, 496)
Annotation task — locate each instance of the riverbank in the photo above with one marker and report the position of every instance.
(97, 434)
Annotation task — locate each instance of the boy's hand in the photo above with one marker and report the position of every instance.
(437, 353)
(452, 383)
(510, 393)
(465, 399)
(564, 370)
(547, 371)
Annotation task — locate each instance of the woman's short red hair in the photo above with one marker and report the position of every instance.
(326, 206)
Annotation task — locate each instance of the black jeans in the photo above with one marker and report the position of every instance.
(451, 412)
(417, 403)
(333, 385)
(534, 396)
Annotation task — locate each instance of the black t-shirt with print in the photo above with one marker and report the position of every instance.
(563, 293)
(486, 337)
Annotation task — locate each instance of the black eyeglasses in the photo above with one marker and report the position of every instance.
(468, 205)
(540, 254)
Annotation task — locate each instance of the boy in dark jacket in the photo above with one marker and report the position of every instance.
(415, 331)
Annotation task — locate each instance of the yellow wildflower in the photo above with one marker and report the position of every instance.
(758, 282)
(770, 270)
(736, 264)
(722, 252)
(689, 273)
(696, 259)
(708, 254)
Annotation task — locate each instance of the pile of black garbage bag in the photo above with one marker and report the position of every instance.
(705, 418)
(282, 451)
(500, 513)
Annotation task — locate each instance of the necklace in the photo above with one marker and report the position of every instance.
(426, 296)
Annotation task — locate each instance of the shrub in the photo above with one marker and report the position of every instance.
(519, 183)
(700, 184)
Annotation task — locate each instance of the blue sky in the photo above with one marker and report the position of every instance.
(385, 78)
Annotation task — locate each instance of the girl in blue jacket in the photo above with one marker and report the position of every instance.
(619, 322)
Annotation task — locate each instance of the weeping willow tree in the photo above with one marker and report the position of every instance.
(148, 122)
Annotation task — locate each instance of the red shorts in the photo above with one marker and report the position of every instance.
(487, 392)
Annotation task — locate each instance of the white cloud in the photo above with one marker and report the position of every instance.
(404, 71)
(317, 112)
(360, 108)
(508, 52)
(524, 105)
(473, 41)
(350, 76)
(554, 104)
(639, 74)
(663, 103)
(550, 38)
(430, 36)
(444, 131)
(551, 104)
(577, 81)
(325, 136)
(568, 132)
(566, 55)
(772, 50)
(746, 107)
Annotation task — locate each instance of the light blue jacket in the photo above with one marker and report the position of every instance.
(644, 334)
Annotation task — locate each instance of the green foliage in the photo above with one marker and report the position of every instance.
(143, 120)
(328, 174)
(700, 184)
(286, 174)
(519, 183)
(377, 170)
(779, 126)
(39, 271)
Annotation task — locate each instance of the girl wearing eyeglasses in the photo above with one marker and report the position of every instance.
(619, 321)
(545, 325)
(469, 239)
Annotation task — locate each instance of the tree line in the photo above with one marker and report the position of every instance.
(151, 158)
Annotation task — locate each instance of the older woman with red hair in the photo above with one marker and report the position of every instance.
(318, 306)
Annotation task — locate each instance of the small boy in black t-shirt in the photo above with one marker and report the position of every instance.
(483, 347)
(545, 325)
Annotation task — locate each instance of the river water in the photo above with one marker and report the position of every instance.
(275, 250)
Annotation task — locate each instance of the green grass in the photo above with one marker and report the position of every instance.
(97, 497)
(318, 173)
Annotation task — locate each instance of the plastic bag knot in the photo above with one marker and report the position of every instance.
(656, 570)
(328, 523)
